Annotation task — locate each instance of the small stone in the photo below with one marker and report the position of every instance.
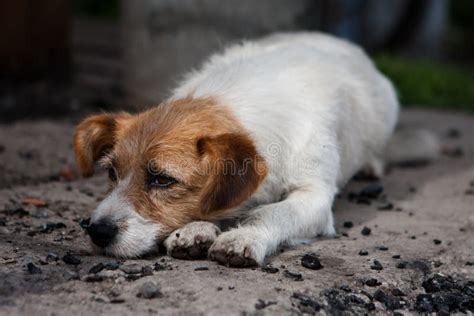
(69, 258)
(33, 269)
(437, 241)
(372, 191)
(372, 282)
(147, 270)
(311, 261)
(293, 275)
(201, 269)
(270, 269)
(97, 268)
(363, 253)
(307, 304)
(149, 290)
(114, 265)
(453, 133)
(131, 269)
(385, 207)
(401, 265)
(348, 224)
(366, 231)
(52, 257)
(397, 292)
(261, 304)
(231, 287)
(376, 265)
(396, 256)
(383, 248)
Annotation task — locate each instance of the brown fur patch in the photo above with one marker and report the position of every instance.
(184, 139)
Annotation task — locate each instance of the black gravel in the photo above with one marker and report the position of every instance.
(261, 304)
(69, 258)
(201, 269)
(376, 265)
(293, 275)
(372, 282)
(348, 224)
(97, 268)
(366, 231)
(270, 269)
(306, 304)
(311, 261)
(33, 269)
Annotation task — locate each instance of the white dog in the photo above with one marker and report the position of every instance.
(266, 132)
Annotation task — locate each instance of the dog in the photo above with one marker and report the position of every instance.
(265, 133)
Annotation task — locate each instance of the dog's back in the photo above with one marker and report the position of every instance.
(299, 94)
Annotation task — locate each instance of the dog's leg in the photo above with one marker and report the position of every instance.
(305, 213)
(192, 241)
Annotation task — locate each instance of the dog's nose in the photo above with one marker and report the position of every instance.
(102, 233)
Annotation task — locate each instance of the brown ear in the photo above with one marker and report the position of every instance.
(236, 170)
(93, 138)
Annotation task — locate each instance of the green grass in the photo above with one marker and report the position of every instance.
(429, 84)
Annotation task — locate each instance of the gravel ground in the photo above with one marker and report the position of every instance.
(407, 249)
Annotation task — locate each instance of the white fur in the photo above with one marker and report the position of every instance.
(318, 111)
(136, 235)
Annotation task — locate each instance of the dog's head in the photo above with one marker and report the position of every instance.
(182, 161)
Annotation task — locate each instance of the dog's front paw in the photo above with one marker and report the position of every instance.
(192, 241)
(240, 247)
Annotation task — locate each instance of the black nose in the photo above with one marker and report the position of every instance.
(102, 233)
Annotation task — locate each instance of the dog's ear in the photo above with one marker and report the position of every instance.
(93, 138)
(235, 170)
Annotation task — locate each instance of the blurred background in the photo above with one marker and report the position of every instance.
(61, 58)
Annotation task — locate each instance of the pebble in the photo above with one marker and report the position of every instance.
(147, 270)
(366, 231)
(348, 224)
(363, 253)
(97, 268)
(376, 265)
(372, 282)
(201, 269)
(396, 256)
(311, 261)
(401, 265)
(114, 265)
(293, 275)
(131, 269)
(149, 290)
(307, 304)
(33, 269)
(69, 258)
(437, 241)
(385, 207)
(261, 304)
(270, 269)
(49, 227)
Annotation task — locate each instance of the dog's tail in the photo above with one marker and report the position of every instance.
(412, 147)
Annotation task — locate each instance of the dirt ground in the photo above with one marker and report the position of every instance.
(424, 244)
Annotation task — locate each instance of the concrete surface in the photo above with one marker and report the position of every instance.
(432, 202)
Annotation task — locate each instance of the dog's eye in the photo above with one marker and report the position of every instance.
(160, 181)
(112, 174)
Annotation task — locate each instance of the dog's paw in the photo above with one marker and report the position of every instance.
(192, 241)
(240, 247)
